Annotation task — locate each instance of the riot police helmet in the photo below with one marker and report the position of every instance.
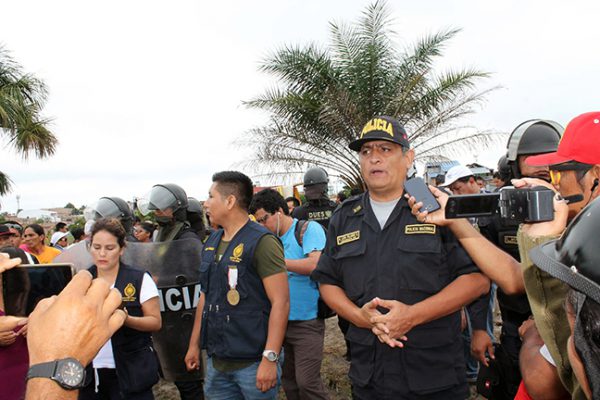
(315, 176)
(168, 195)
(113, 207)
(535, 136)
(504, 169)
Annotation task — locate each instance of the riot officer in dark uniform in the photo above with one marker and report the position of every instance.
(115, 207)
(169, 203)
(318, 207)
(529, 138)
(394, 279)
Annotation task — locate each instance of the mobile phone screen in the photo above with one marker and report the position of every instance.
(417, 188)
(24, 286)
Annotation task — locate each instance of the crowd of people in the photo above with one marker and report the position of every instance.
(414, 291)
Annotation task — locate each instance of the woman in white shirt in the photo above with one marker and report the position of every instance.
(126, 367)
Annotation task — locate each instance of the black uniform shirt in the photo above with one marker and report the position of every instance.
(406, 260)
(316, 210)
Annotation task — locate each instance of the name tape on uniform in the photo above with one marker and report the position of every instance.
(420, 229)
(348, 237)
(509, 239)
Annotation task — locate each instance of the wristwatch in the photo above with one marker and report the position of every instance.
(67, 372)
(271, 355)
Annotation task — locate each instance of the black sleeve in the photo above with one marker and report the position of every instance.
(328, 270)
(300, 213)
(478, 312)
(459, 262)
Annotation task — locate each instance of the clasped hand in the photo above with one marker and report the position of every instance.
(390, 328)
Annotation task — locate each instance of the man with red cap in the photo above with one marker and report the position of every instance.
(575, 173)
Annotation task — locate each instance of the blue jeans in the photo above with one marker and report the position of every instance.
(239, 384)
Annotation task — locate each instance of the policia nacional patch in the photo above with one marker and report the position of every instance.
(420, 229)
(348, 237)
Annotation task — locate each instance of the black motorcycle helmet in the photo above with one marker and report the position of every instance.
(535, 136)
(574, 257)
(315, 183)
(114, 207)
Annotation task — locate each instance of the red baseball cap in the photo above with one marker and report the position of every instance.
(580, 142)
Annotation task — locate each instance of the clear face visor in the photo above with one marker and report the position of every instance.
(159, 198)
(105, 208)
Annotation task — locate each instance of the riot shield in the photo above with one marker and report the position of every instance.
(78, 255)
(175, 267)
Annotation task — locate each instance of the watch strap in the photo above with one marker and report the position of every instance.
(42, 370)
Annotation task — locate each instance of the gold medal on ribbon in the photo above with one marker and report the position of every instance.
(233, 297)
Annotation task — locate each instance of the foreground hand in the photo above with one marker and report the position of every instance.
(561, 211)
(192, 358)
(76, 323)
(395, 324)
(437, 217)
(7, 263)
(7, 338)
(480, 343)
(266, 375)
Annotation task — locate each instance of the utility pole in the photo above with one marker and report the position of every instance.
(18, 203)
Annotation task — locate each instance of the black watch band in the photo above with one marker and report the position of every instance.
(67, 372)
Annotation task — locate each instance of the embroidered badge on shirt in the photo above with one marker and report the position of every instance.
(510, 239)
(209, 249)
(129, 292)
(348, 237)
(237, 253)
(357, 208)
(420, 229)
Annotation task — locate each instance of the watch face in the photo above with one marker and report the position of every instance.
(272, 356)
(70, 372)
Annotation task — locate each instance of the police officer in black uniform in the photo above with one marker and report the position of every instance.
(528, 138)
(394, 278)
(318, 207)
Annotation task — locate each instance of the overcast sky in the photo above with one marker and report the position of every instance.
(146, 92)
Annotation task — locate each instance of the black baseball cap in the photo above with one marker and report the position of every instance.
(381, 128)
(4, 230)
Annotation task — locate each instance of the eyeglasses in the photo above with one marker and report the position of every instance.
(579, 168)
(263, 219)
(14, 226)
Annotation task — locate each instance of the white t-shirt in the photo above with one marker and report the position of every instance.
(383, 210)
(105, 358)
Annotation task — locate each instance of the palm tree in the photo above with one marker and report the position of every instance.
(22, 97)
(325, 96)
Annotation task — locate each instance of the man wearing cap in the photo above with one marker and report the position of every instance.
(16, 230)
(5, 236)
(396, 279)
(575, 172)
(59, 240)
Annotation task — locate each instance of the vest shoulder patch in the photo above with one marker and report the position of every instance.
(509, 239)
(420, 229)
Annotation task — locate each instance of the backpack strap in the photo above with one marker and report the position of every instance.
(300, 230)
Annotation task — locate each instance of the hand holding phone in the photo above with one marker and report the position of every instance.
(417, 188)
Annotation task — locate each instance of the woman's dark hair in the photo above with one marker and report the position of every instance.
(235, 183)
(36, 228)
(112, 226)
(269, 200)
(77, 233)
(148, 227)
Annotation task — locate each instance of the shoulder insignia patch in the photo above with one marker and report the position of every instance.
(348, 237)
(357, 209)
(420, 229)
(209, 249)
(508, 239)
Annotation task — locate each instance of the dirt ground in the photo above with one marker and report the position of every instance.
(334, 369)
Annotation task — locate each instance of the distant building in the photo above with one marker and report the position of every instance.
(37, 214)
(435, 168)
